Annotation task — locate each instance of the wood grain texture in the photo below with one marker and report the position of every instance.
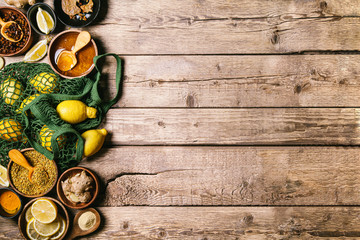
(237, 81)
(229, 36)
(253, 126)
(240, 81)
(205, 27)
(228, 175)
(218, 223)
(226, 27)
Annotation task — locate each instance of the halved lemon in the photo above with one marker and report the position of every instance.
(44, 21)
(37, 52)
(31, 232)
(28, 215)
(61, 230)
(4, 180)
(47, 229)
(44, 210)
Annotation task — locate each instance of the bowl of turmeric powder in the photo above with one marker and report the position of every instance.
(10, 203)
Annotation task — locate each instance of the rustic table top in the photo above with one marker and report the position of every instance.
(238, 120)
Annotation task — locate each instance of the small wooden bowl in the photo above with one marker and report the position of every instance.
(61, 210)
(66, 41)
(23, 194)
(29, 40)
(69, 173)
(5, 214)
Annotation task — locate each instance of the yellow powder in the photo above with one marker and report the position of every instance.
(87, 220)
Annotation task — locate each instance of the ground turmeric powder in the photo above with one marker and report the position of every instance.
(9, 202)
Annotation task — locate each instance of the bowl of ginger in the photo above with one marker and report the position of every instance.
(77, 187)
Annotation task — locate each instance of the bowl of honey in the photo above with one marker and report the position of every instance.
(65, 41)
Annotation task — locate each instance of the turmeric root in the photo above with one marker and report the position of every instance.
(20, 3)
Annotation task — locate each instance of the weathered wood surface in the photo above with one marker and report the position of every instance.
(237, 81)
(182, 59)
(228, 175)
(222, 27)
(242, 223)
(219, 27)
(252, 126)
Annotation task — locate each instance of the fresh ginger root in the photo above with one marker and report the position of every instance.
(20, 3)
(77, 188)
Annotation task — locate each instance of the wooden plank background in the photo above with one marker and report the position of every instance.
(238, 120)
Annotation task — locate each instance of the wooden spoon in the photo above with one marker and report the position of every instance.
(17, 157)
(5, 25)
(77, 231)
(67, 59)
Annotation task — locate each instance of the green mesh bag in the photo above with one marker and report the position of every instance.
(29, 94)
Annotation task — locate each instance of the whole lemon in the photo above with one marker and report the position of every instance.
(11, 90)
(45, 138)
(94, 139)
(10, 130)
(45, 82)
(74, 111)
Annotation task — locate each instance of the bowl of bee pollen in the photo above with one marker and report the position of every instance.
(43, 179)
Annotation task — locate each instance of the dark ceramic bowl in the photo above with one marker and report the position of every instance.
(31, 14)
(23, 194)
(69, 173)
(61, 210)
(28, 41)
(5, 214)
(76, 22)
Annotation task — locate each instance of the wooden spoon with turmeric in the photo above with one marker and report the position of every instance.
(17, 157)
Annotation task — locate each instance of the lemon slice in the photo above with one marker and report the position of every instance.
(4, 180)
(37, 52)
(44, 21)
(2, 62)
(32, 234)
(47, 229)
(44, 210)
(61, 230)
(28, 215)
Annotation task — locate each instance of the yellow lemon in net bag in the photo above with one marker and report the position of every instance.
(45, 138)
(11, 90)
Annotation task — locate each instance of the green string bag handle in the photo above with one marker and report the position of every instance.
(96, 100)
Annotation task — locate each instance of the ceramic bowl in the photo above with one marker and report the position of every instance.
(31, 14)
(28, 42)
(69, 173)
(61, 210)
(5, 214)
(76, 22)
(23, 194)
(65, 41)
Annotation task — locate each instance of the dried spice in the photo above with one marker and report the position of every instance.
(87, 220)
(10, 202)
(7, 47)
(43, 177)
